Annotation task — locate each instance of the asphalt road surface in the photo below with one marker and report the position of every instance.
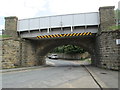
(56, 74)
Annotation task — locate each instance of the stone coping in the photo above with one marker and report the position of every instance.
(9, 38)
(11, 17)
(107, 7)
(118, 30)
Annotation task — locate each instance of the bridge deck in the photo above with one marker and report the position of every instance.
(59, 24)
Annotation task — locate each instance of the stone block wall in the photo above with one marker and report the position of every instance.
(28, 55)
(10, 53)
(22, 52)
(108, 53)
(18, 53)
(107, 17)
(11, 26)
(0, 53)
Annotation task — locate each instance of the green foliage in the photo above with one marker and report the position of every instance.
(114, 27)
(4, 36)
(117, 17)
(117, 14)
(68, 49)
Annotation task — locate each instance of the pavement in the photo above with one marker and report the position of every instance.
(59, 74)
(20, 69)
(106, 78)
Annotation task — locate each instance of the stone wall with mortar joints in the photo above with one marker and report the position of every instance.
(0, 53)
(28, 53)
(10, 53)
(11, 26)
(107, 51)
(107, 18)
(18, 53)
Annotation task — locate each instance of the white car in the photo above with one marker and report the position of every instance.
(53, 56)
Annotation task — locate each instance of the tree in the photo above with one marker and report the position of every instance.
(69, 49)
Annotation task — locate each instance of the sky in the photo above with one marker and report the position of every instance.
(37, 8)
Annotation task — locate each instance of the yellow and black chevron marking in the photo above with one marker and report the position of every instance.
(65, 35)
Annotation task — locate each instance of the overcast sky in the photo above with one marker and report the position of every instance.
(36, 8)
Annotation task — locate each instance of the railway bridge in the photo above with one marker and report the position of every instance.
(91, 31)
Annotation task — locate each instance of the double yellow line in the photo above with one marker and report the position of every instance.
(65, 35)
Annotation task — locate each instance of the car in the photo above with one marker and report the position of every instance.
(53, 56)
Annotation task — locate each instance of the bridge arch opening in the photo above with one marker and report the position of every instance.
(66, 55)
(45, 46)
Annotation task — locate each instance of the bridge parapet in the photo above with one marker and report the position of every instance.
(82, 19)
(70, 21)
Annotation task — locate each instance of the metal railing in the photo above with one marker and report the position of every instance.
(69, 20)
